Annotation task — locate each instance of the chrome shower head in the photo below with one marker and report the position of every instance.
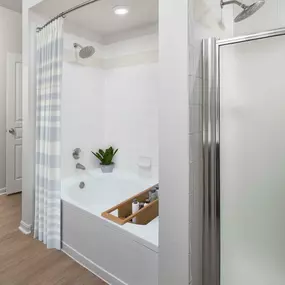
(85, 52)
(247, 10)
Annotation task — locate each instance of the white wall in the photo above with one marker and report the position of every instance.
(204, 22)
(114, 103)
(11, 42)
(132, 46)
(131, 101)
(82, 115)
(131, 114)
(174, 143)
(270, 16)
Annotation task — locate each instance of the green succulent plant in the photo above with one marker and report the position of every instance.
(106, 157)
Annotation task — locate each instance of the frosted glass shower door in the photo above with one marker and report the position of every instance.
(252, 162)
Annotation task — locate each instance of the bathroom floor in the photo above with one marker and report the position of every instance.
(25, 261)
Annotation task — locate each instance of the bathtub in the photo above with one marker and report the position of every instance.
(117, 254)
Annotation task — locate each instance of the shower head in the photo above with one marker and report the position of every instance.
(247, 10)
(85, 52)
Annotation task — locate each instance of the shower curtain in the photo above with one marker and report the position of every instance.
(47, 225)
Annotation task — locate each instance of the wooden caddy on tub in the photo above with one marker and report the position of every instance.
(143, 216)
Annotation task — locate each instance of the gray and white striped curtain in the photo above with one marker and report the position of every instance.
(47, 226)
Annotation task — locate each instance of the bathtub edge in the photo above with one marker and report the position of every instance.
(90, 265)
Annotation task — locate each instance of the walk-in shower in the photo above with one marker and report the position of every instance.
(85, 52)
(243, 224)
(247, 10)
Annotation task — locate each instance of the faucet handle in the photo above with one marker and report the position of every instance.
(76, 153)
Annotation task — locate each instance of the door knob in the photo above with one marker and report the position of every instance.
(12, 131)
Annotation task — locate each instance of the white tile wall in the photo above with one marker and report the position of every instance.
(204, 21)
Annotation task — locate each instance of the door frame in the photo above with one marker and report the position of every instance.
(211, 150)
(11, 58)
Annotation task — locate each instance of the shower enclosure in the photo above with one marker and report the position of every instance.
(244, 160)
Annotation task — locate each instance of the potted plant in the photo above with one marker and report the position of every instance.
(106, 158)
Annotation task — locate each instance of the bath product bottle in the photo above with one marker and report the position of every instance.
(156, 187)
(147, 201)
(141, 205)
(135, 208)
(153, 195)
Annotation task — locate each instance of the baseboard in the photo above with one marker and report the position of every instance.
(25, 228)
(91, 266)
(3, 191)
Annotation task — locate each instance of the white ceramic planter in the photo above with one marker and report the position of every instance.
(107, 168)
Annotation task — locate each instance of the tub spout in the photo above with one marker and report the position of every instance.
(80, 166)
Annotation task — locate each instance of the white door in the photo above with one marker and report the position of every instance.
(14, 124)
(252, 161)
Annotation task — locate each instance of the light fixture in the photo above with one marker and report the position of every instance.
(121, 10)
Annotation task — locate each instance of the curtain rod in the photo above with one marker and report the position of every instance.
(63, 14)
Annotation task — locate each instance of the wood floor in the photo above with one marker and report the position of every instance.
(25, 261)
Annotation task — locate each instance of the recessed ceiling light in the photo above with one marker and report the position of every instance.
(121, 10)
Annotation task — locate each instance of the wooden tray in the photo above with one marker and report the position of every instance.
(143, 216)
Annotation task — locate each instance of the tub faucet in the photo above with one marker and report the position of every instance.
(80, 166)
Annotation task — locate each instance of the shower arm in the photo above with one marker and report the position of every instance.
(223, 3)
(76, 45)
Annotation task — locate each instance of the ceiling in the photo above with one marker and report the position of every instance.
(15, 5)
(100, 18)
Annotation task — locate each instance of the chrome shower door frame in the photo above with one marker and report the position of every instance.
(211, 151)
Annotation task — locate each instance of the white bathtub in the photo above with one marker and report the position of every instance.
(82, 221)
